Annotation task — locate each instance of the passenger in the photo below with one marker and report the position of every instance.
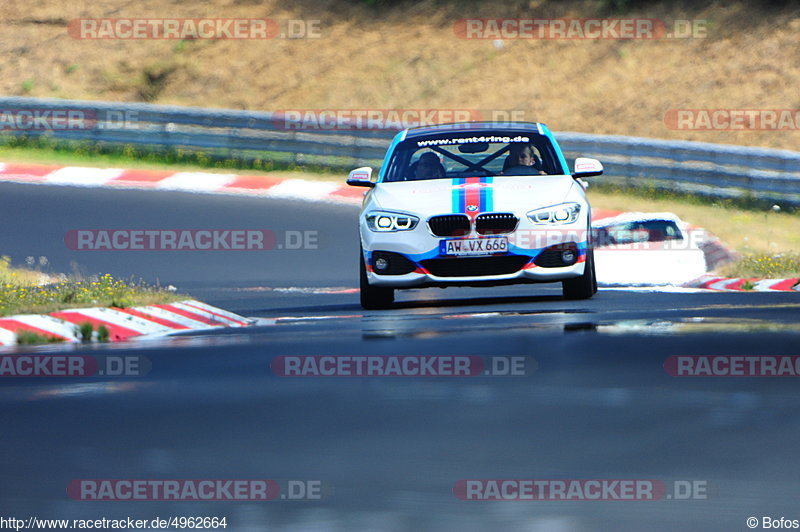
(429, 167)
(522, 155)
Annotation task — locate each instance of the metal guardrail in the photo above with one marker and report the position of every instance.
(696, 167)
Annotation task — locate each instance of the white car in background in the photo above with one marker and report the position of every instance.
(636, 248)
(475, 204)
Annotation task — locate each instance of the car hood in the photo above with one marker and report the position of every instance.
(499, 194)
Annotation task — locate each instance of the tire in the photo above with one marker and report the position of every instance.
(373, 297)
(585, 286)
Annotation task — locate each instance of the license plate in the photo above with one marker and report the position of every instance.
(473, 246)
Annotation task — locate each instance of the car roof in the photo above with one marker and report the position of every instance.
(474, 127)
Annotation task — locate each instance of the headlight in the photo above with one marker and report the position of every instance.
(565, 213)
(381, 221)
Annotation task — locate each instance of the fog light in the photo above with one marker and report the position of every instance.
(381, 264)
(568, 256)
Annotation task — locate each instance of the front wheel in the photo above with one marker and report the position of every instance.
(585, 286)
(373, 297)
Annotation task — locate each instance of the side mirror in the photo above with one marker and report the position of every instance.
(360, 177)
(586, 167)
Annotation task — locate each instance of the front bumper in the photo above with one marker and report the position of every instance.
(430, 268)
(419, 280)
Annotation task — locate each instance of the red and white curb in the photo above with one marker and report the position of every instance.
(202, 182)
(712, 282)
(122, 323)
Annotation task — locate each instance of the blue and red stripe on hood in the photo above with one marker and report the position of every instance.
(473, 195)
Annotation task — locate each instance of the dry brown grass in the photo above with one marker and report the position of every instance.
(408, 56)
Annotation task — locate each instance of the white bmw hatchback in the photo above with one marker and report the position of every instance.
(475, 204)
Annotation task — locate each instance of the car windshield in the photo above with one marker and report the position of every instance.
(639, 231)
(460, 154)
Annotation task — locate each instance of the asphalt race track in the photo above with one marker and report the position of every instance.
(597, 402)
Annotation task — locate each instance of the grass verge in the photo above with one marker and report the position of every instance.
(761, 266)
(25, 291)
(32, 338)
